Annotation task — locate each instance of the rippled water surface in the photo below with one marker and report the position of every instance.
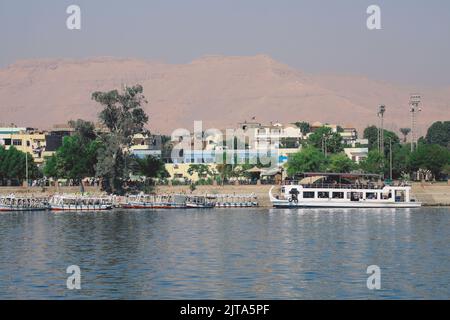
(226, 254)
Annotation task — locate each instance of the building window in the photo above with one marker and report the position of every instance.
(17, 142)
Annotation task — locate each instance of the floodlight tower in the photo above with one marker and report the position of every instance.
(381, 112)
(414, 103)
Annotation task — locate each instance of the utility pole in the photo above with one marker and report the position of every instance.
(382, 110)
(390, 158)
(26, 167)
(414, 102)
(324, 145)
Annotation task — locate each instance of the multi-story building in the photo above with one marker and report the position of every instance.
(27, 140)
(146, 145)
(358, 151)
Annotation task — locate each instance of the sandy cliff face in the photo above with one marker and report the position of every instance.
(219, 90)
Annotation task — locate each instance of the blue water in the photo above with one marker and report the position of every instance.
(226, 254)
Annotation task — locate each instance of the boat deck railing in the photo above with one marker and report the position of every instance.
(369, 186)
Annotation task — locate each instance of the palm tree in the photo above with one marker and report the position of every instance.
(405, 132)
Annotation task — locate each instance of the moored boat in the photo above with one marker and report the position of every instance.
(151, 201)
(328, 190)
(200, 202)
(80, 203)
(20, 203)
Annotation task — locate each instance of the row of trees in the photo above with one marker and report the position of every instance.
(13, 165)
(432, 153)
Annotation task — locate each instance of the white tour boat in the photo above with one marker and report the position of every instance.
(19, 203)
(152, 201)
(80, 203)
(200, 202)
(325, 190)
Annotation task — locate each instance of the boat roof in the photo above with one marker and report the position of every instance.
(342, 175)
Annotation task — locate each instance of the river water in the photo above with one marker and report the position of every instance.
(226, 254)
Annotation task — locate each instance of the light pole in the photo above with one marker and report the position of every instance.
(390, 158)
(26, 167)
(324, 144)
(414, 102)
(382, 110)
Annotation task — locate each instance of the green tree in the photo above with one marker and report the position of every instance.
(305, 127)
(84, 129)
(13, 165)
(374, 163)
(150, 167)
(371, 134)
(326, 136)
(439, 133)
(340, 163)
(432, 157)
(401, 160)
(202, 170)
(50, 170)
(124, 117)
(75, 159)
(405, 132)
(310, 159)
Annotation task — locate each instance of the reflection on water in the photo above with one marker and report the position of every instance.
(227, 253)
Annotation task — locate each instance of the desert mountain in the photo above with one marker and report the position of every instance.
(219, 90)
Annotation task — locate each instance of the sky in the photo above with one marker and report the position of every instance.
(315, 36)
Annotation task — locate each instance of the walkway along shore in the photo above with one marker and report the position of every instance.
(437, 194)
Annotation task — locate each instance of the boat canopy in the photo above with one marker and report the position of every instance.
(341, 175)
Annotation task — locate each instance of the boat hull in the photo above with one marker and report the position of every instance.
(80, 208)
(152, 206)
(12, 208)
(335, 204)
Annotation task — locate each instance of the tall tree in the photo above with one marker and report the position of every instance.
(340, 163)
(305, 127)
(75, 159)
(432, 157)
(439, 133)
(325, 136)
(371, 134)
(124, 117)
(13, 164)
(310, 159)
(374, 163)
(405, 132)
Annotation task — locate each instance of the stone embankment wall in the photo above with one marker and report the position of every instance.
(431, 194)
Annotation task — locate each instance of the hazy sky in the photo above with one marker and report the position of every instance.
(319, 36)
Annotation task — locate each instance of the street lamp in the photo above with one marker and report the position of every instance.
(390, 158)
(414, 102)
(381, 111)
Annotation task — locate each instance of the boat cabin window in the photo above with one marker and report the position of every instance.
(386, 196)
(323, 195)
(308, 195)
(400, 196)
(355, 196)
(338, 195)
(372, 196)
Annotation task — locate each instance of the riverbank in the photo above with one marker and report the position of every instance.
(430, 194)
